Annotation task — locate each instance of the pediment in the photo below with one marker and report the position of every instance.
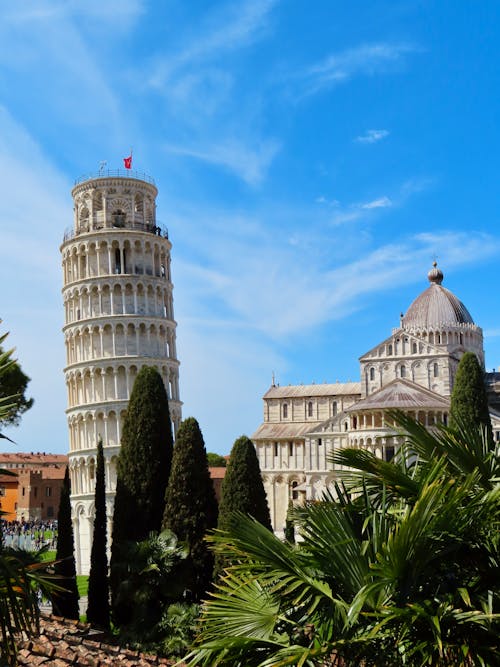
(401, 394)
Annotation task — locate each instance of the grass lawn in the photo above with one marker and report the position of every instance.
(48, 555)
(82, 581)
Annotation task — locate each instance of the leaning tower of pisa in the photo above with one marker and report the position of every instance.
(118, 317)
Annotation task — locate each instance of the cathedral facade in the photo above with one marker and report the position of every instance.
(412, 370)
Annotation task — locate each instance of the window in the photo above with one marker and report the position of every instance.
(275, 449)
(403, 371)
(310, 409)
(295, 494)
(290, 448)
(372, 373)
(2, 490)
(118, 268)
(24, 491)
(50, 511)
(48, 491)
(436, 370)
(414, 348)
(389, 350)
(319, 442)
(389, 453)
(285, 411)
(35, 491)
(334, 408)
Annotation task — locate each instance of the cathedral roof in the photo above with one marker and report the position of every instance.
(436, 307)
(306, 390)
(401, 395)
(283, 431)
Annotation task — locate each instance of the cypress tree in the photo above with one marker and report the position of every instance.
(98, 594)
(142, 471)
(65, 603)
(191, 507)
(242, 487)
(469, 402)
(242, 490)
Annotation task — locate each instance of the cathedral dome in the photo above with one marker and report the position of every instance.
(436, 307)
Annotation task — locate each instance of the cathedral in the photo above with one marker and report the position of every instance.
(412, 370)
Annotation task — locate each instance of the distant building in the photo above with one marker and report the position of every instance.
(412, 370)
(217, 474)
(34, 493)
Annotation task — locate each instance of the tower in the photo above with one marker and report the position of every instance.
(119, 317)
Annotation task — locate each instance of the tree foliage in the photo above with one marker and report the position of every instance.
(399, 567)
(242, 487)
(65, 602)
(98, 591)
(13, 384)
(216, 460)
(143, 470)
(191, 507)
(469, 402)
(151, 576)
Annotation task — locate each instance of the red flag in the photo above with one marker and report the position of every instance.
(127, 161)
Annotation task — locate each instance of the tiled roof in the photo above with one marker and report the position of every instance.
(9, 457)
(401, 395)
(306, 390)
(63, 642)
(281, 431)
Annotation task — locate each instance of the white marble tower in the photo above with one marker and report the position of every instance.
(118, 317)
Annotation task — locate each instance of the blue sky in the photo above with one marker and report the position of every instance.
(312, 159)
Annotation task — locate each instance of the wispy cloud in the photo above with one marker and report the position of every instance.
(227, 29)
(372, 136)
(367, 59)
(382, 202)
(250, 164)
(355, 212)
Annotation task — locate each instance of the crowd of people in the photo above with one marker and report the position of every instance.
(29, 535)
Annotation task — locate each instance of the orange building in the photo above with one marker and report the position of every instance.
(8, 497)
(35, 492)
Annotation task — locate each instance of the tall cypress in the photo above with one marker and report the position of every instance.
(469, 401)
(191, 507)
(98, 593)
(242, 489)
(142, 471)
(65, 602)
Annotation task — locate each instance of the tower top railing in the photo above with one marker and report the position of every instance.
(116, 173)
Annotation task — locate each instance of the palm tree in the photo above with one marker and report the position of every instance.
(399, 567)
(21, 573)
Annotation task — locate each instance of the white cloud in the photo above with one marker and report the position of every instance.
(372, 136)
(234, 27)
(367, 59)
(382, 202)
(43, 46)
(250, 164)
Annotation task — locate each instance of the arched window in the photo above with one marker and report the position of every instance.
(389, 350)
(436, 370)
(414, 348)
(372, 373)
(310, 409)
(334, 408)
(285, 411)
(290, 448)
(295, 494)
(403, 371)
(275, 449)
